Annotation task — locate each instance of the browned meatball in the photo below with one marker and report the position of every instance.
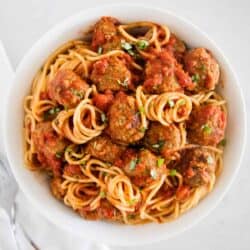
(49, 147)
(207, 125)
(162, 139)
(124, 124)
(73, 170)
(196, 165)
(111, 74)
(164, 74)
(104, 149)
(67, 88)
(203, 69)
(106, 211)
(176, 47)
(142, 166)
(56, 188)
(105, 32)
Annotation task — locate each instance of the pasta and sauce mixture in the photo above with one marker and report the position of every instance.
(126, 123)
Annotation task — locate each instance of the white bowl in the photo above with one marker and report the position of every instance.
(34, 185)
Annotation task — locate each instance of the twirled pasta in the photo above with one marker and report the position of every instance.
(165, 108)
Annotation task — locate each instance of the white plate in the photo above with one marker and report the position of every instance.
(35, 186)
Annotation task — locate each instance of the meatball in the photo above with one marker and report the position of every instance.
(196, 164)
(207, 125)
(111, 73)
(73, 170)
(162, 139)
(49, 147)
(106, 211)
(103, 101)
(104, 149)
(203, 69)
(142, 166)
(56, 188)
(176, 47)
(164, 74)
(105, 32)
(67, 88)
(124, 123)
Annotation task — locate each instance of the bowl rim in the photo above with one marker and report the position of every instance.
(61, 26)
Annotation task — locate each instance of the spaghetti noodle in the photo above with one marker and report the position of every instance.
(129, 126)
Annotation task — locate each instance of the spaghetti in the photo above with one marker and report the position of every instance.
(129, 125)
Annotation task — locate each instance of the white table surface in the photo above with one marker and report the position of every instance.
(228, 24)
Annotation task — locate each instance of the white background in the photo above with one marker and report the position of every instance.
(22, 22)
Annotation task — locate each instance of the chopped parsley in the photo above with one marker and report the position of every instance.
(160, 162)
(51, 113)
(210, 160)
(223, 142)
(206, 129)
(142, 129)
(142, 44)
(129, 48)
(171, 103)
(123, 83)
(99, 51)
(83, 163)
(132, 202)
(182, 102)
(68, 149)
(126, 46)
(102, 194)
(104, 118)
(195, 77)
(77, 93)
(202, 67)
(153, 174)
(142, 110)
(173, 172)
(158, 145)
(59, 155)
(133, 163)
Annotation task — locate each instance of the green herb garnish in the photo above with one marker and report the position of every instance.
(132, 202)
(182, 102)
(51, 113)
(223, 142)
(59, 155)
(153, 174)
(102, 194)
(103, 118)
(210, 160)
(195, 78)
(99, 51)
(142, 44)
(123, 83)
(171, 103)
(206, 129)
(141, 110)
(129, 48)
(158, 145)
(133, 163)
(142, 129)
(160, 162)
(77, 93)
(126, 46)
(172, 172)
(83, 163)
